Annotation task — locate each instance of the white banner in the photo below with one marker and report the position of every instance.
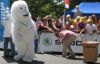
(50, 43)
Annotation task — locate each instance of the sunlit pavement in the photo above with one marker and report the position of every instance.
(49, 58)
(46, 59)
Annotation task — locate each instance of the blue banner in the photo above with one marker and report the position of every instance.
(4, 5)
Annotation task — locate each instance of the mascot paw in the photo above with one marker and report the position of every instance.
(17, 58)
(27, 60)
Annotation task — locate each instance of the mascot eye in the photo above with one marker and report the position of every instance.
(21, 8)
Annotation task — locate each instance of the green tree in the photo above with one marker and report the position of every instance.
(49, 7)
(44, 7)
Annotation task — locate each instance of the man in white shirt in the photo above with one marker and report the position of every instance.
(90, 29)
(7, 37)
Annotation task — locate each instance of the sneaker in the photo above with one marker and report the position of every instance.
(71, 57)
(63, 56)
(6, 55)
(11, 54)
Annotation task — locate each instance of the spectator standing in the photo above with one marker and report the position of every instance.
(58, 25)
(94, 18)
(91, 30)
(8, 37)
(77, 12)
(68, 19)
(75, 22)
(38, 23)
(69, 22)
(98, 25)
(62, 20)
(90, 27)
(81, 23)
(44, 26)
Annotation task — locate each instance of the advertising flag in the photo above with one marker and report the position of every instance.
(67, 3)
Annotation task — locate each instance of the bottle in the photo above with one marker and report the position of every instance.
(95, 36)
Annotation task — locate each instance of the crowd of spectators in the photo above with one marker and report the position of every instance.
(48, 24)
(76, 23)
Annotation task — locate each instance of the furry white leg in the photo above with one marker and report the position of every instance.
(21, 52)
(28, 57)
(18, 57)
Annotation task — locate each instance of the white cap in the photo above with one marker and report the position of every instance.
(78, 17)
(68, 15)
(72, 26)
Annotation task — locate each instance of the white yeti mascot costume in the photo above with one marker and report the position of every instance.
(23, 31)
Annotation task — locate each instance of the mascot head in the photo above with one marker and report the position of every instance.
(19, 10)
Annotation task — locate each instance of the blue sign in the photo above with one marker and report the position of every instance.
(4, 5)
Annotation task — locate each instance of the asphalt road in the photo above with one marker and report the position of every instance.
(46, 59)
